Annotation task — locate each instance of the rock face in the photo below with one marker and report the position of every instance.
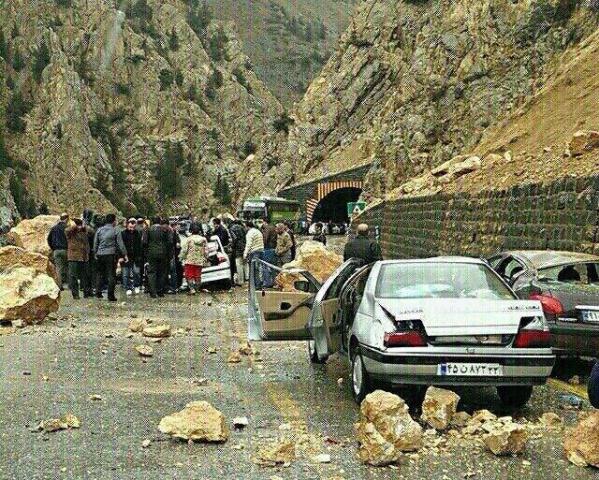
(198, 421)
(506, 438)
(28, 295)
(439, 407)
(385, 429)
(8, 208)
(313, 257)
(583, 142)
(413, 84)
(12, 256)
(32, 234)
(581, 443)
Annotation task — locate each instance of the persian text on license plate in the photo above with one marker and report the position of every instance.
(590, 316)
(470, 369)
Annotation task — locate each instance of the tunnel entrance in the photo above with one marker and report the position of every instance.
(333, 207)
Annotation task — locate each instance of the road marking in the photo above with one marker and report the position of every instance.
(579, 390)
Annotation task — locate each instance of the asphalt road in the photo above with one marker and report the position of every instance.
(53, 369)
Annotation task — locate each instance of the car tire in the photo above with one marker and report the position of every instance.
(359, 382)
(313, 353)
(515, 397)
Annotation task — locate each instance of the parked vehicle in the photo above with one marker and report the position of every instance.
(220, 269)
(441, 321)
(567, 285)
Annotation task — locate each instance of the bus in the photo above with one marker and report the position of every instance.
(275, 210)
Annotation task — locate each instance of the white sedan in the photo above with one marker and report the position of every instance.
(447, 321)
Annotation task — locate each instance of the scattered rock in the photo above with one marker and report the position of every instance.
(482, 416)
(198, 421)
(322, 458)
(27, 295)
(240, 422)
(278, 453)
(137, 325)
(506, 439)
(460, 419)
(211, 350)
(200, 382)
(146, 443)
(95, 398)
(18, 323)
(385, 429)
(159, 331)
(234, 357)
(551, 420)
(54, 424)
(583, 141)
(575, 380)
(581, 443)
(246, 349)
(439, 407)
(144, 350)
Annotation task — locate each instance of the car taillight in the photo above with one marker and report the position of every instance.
(533, 333)
(404, 339)
(551, 305)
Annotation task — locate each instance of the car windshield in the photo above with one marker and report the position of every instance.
(578, 273)
(440, 280)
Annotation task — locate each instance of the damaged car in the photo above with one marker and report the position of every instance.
(446, 321)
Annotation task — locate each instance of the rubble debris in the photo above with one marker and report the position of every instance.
(439, 407)
(159, 331)
(137, 325)
(460, 419)
(234, 357)
(240, 422)
(278, 453)
(583, 141)
(581, 443)
(65, 422)
(551, 420)
(95, 398)
(146, 443)
(198, 421)
(322, 458)
(575, 380)
(385, 429)
(144, 350)
(506, 438)
(246, 349)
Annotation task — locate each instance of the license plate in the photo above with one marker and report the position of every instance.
(470, 369)
(591, 316)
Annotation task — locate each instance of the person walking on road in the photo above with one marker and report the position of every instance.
(270, 255)
(238, 235)
(57, 241)
(289, 229)
(284, 245)
(108, 248)
(158, 245)
(131, 270)
(254, 248)
(320, 236)
(363, 247)
(194, 259)
(78, 254)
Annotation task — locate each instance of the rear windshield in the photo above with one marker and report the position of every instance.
(580, 273)
(440, 280)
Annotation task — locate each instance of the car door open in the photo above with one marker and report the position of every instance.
(275, 314)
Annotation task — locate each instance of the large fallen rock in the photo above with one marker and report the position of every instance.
(27, 295)
(313, 257)
(581, 443)
(63, 423)
(198, 421)
(439, 407)
(385, 429)
(506, 438)
(32, 234)
(159, 331)
(12, 256)
(583, 141)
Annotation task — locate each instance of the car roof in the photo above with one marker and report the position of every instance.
(551, 258)
(442, 259)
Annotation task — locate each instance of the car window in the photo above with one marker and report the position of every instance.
(495, 261)
(582, 273)
(508, 267)
(440, 280)
(335, 288)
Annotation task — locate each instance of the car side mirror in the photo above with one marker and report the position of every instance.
(302, 285)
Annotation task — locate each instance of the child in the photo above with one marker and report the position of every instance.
(193, 256)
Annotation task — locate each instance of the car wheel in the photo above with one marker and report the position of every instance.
(359, 382)
(514, 396)
(227, 284)
(313, 353)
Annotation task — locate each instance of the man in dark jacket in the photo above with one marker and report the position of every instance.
(57, 241)
(594, 386)
(158, 243)
(269, 255)
(131, 270)
(362, 247)
(237, 248)
(108, 248)
(221, 232)
(78, 253)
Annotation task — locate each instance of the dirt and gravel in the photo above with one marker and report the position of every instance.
(84, 362)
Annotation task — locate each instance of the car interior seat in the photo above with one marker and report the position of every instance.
(568, 274)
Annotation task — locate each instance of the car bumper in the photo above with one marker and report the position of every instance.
(421, 368)
(216, 274)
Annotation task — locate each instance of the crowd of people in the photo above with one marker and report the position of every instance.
(159, 256)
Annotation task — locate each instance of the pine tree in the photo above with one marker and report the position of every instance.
(3, 46)
(179, 78)
(16, 109)
(167, 172)
(216, 47)
(17, 60)
(15, 31)
(173, 40)
(225, 194)
(322, 31)
(166, 79)
(308, 32)
(199, 16)
(41, 60)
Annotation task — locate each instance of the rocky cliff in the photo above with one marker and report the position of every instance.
(136, 108)
(415, 83)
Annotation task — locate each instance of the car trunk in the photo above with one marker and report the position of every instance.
(572, 295)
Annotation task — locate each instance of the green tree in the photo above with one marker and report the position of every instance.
(215, 81)
(322, 31)
(173, 40)
(15, 31)
(179, 78)
(308, 32)
(166, 78)
(41, 59)
(16, 109)
(199, 16)
(217, 45)
(167, 173)
(17, 60)
(225, 196)
(64, 3)
(3, 46)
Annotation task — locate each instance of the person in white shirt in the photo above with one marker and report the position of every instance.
(254, 245)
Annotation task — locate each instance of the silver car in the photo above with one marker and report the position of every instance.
(446, 321)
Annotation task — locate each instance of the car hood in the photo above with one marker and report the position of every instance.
(448, 317)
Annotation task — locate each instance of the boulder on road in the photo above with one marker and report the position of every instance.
(198, 421)
(439, 407)
(313, 257)
(385, 429)
(506, 438)
(583, 141)
(12, 256)
(54, 424)
(581, 443)
(137, 325)
(32, 234)
(28, 295)
(159, 331)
